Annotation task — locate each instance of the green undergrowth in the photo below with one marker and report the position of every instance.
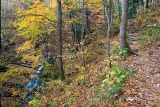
(123, 52)
(114, 82)
(150, 35)
(149, 25)
(34, 103)
(2, 65)
(49, 72)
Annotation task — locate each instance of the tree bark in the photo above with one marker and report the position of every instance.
(108, 17)
(0, 44)
(133, 9)
(59, 34)
(123, 25)
(87, 21)
(82, 34)
(119, 9)
(147, 3)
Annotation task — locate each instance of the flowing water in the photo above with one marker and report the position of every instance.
(32, 85)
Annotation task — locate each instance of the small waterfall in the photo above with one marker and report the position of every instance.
(34, 82)
(32, 85)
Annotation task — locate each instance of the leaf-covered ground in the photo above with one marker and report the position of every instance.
(144, 89)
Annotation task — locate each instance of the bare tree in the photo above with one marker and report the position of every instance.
(147, 3)
(119, 8)
(82, 34)
(59, 33)
(123, 25)
(108, 17)
(87, 20)
(0, 44)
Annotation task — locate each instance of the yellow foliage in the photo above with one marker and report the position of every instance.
(29, 53)
(26, 46)
(32, 21)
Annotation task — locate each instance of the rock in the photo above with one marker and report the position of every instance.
(40, 70)
(33, 83)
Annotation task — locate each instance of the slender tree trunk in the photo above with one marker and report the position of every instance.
(147, 3)
(142, 3)
(105, 16)
(108, 17)
(82, 34)
(52, 42)
(0, 44)
(123, 25)
(59, 33)
(133, 9)
(119, 9)
(87, 20)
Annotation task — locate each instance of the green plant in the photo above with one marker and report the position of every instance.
(54, 104)
(35, 103)
(2, 65)
(49, 71)
(153, 31)
(123, 52)
(114, 82)
(150, 35)
(71, 98)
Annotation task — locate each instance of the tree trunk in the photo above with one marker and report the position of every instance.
(59, 33)
(108, 17)
(142, 3)
(105, 16)
(123, 25)
(87, 21)
(52, 42)
(147, 3)
(0, 44)
(82, 34)
(119, 9)
(133, 9)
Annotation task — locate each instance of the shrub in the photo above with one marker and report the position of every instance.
(123, 52)
(34, 103)
(148, 25)
(150, 35)
(114, 82)
(49, 71)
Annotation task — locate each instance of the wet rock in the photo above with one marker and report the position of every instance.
(40, 70)
(33, 83)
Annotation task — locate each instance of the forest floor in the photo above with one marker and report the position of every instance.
(143, 89)
(81, 87)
